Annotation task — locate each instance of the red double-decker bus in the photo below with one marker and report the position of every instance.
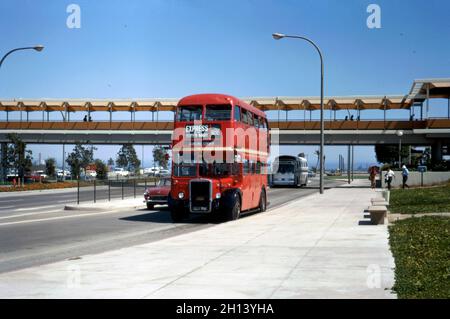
(220, 148)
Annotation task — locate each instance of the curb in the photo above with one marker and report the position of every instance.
(82, 208)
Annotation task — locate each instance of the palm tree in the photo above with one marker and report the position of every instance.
(317, 153)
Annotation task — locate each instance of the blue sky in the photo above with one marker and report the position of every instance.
(173, 48)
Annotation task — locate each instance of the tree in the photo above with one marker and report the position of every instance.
(388, 154)
(101, 169)
(80, 158)
(50, 167)
(160, 156)
(110, 162)
(127, 158)
(19, 158)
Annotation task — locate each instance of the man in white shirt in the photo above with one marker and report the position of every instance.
(389, 176)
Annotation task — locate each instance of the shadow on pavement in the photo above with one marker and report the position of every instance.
(162, 216)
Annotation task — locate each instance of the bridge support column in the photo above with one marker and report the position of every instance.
(436, 152)
(4, 161)
(349, 164)
(353, 162)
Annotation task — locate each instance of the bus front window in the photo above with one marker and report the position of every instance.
(218, 112)
(189, 113)
(185, 170)
(218, 169)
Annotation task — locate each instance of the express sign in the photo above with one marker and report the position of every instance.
(197, 131)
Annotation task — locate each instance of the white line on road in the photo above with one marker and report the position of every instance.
(35, 208)
(30, 214)
(11, 200)
(60, 217)
(6, 207)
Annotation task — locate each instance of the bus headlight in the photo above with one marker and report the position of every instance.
(180, 195)
(218, 195)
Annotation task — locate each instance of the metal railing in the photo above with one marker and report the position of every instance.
(107, 190)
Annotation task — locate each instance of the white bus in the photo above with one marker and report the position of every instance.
(289, 170)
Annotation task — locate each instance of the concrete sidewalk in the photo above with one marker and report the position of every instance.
(314, 247)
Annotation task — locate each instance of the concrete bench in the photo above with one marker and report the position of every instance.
(377, 214)
(379, 202)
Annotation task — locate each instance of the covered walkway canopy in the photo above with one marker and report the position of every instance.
(421, 92)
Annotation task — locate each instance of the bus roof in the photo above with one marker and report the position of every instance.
(211, 98)
(289, 158)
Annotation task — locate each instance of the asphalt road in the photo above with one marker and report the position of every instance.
(34, 228)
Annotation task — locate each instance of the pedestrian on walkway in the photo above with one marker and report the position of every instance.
(405, 174)
(373, 171)
(388, 177)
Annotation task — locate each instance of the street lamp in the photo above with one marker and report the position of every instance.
(279, 36)
(37, 48)
(399, 134)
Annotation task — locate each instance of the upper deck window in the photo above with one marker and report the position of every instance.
(221, 112)
(189, 113)
(237, 113)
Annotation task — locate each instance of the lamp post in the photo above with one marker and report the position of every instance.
(399, 134)
(279, 36)
(37, 48)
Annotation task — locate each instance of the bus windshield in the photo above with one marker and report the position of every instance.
(217, 169)
(284, 168)
(185, 170)
(189, 113)
(221, 112)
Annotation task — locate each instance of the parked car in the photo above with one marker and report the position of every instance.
(157, 195)
(118, 172)
(152, 171)
(163, 172)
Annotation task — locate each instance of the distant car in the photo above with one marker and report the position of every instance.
(157, 195)
(152, 171)
(164, 172)
(118, 172)
(311, 174)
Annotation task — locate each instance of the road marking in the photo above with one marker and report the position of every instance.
(11, 200)
(60, 217)
(35, 208)
(30, 214)
(6, 207)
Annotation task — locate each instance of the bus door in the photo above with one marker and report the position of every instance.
(247, 185)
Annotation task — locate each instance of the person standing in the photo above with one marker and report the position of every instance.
(405, 174)
(389, 176)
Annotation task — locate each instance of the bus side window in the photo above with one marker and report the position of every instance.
(258, 167)
(235, 169)
(250, 119)
(261, 123)
(237, 113)
(257, 121)
(246, 167)
(244, 116)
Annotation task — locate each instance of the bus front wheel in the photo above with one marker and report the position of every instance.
(263, 201)
(233, 212)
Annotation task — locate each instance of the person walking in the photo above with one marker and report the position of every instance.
(373, 171)
(405, 174)
(389, 176)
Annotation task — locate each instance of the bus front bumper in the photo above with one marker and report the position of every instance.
(178, 204)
